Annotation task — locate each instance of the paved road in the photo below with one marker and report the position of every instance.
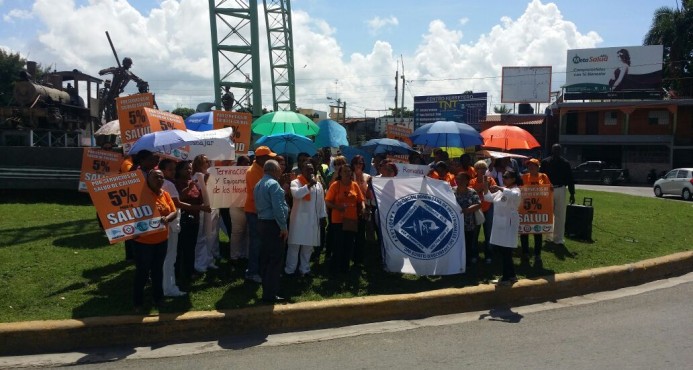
(645, 327)
(643, 191)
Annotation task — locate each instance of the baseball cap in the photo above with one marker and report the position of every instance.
(263, 150)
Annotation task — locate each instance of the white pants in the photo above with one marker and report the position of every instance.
(295, 253)
(212, 232)
(169, 284)
(238, 239)
(559, 209)
(203, 255)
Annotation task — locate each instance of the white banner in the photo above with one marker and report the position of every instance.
(421, 224)
(409, 170)
(217, 145)
(226, 186)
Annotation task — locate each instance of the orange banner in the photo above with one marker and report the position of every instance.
(98, 163)
(132, 122)
(398, 132)
(240, 122)
(536, 209)
(125, 205)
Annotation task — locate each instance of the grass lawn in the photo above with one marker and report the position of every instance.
(55, 262)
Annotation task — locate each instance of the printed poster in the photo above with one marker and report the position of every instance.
(125, 205)
(240, 122)
(536, 209)
(98, 163)
(133, 123)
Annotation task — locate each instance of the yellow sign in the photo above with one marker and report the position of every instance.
(536, 209)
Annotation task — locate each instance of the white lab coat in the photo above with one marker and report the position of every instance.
(304, 226)
(506, 218)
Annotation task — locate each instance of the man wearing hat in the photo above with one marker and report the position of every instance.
(252, 177)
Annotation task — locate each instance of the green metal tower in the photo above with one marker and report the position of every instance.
(281, 49)
(236, 52)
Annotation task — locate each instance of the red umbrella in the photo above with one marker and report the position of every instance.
(508, 138)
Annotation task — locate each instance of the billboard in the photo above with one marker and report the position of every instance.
(526, 85)
(465, 108)
(633, 72)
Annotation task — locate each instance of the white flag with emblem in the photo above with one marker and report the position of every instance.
(421, 226)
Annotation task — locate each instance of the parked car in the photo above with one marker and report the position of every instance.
(599, 171)
(678, 181)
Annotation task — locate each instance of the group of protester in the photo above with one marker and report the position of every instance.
(325, 203)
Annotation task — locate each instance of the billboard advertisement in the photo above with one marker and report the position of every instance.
(465, 108)
(633, 72)
(526, 85)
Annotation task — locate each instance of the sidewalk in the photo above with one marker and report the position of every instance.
(133, 331)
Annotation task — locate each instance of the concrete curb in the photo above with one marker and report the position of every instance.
(134, 331)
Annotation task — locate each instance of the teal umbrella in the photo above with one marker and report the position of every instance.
(284, 122)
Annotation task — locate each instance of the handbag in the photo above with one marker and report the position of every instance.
(479, 217)
(350, 224)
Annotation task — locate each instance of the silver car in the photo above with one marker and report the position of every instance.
(678, 181)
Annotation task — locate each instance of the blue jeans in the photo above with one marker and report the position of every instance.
(253, 245)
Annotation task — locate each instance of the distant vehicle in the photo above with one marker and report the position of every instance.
(678, 181)
(599, 171)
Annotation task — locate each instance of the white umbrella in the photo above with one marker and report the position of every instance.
(110, 128)
(161, 141)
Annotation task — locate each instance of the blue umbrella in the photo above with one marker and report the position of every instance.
(160, 141)
(386, 146)
(446, 134)
(201, 121)
(288, 144)
(331, 134)
(350, 152)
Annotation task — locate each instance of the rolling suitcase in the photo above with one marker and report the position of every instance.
(578, 220)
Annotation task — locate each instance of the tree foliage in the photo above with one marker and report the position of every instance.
(395, 112)
(10, 66)
(673, 28)
(502, 109)
(183, 112)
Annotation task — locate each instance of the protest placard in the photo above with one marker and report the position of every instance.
(536, 209)
(125, 205)
(133, 123)
(97, 163)
(399, 132)
(226, 186)
(240, 122)
(412, 170)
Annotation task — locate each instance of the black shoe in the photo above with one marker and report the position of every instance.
(538, 262)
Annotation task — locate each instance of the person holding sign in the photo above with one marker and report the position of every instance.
(533, 177)
(506, 221)
(207, 247)
(150, 249)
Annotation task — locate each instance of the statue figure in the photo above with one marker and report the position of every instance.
(227, 99)
(121, 77)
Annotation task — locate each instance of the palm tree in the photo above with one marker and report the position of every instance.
(673, 28)
(502, 109)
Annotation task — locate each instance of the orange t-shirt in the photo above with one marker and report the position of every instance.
(341, 194)
(252, 177)
(164, 204)
(450, 178)
(479, 186)
(470, 171)
(539, 179)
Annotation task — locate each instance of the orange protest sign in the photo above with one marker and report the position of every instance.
(536, 209)
(240, 122)
(125, 205)
(98, 163)
(133, 124)
(398, 132)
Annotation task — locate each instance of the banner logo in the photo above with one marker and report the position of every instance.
(422, 226)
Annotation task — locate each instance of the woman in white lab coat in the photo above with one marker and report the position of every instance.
(506, 221)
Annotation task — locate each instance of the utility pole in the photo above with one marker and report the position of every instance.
(396, 89)
(401, 111)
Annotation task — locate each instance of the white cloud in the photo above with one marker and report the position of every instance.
(464, 20)
(376, 24)
(171, 48)
(13, 14)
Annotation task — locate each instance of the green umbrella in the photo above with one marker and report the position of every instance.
(284, 122)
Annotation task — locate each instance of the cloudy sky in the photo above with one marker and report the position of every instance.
(343, 49)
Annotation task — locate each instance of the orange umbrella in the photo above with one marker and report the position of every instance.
(508, 138)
